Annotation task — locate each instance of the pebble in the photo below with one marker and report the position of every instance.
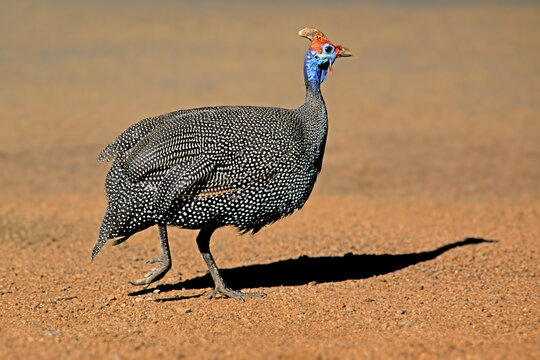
(51, 332)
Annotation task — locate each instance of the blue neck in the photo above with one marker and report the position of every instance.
(314, 72)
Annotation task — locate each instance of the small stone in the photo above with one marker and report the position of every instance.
(186, 310)
(406, 323)
(157, 291)
(139, 299)
(312, 283)
(401, 312)
(349, 309)
(51, 332)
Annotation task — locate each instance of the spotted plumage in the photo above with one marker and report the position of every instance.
(210, 167)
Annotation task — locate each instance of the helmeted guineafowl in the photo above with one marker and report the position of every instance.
(210, 167)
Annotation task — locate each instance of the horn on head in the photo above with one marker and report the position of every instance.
(311, 33)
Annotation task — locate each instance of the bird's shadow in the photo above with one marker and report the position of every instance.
(305, 269)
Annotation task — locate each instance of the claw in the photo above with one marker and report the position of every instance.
(230, 293)
(153, 261)
(157, 273)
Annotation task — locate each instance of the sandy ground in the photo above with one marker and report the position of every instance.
(420, 240)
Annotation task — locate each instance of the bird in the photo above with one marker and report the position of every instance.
(210, 167)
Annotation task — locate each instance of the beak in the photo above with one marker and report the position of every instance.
(345, 52)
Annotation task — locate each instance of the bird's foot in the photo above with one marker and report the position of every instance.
(157, 273)
(228, 292)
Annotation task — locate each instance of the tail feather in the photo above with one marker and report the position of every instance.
(104, 232)
(101, 241)
(131, 136)
(124, 217)
(129, 210)
(110, 228)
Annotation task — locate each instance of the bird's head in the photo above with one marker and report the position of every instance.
(321, 55)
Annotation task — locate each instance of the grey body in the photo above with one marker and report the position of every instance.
(206, 168)
(210, 167)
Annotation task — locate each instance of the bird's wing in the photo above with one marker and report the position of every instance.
(130, 137)
(161, 151)
(135, 133)
(178, 178)
(227, 146)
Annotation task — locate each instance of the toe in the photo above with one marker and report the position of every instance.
(141, 282)
(230, 293)
(254, 294)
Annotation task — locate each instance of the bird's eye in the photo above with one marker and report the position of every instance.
(328, 49)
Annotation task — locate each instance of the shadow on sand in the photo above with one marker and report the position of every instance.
(305, 269)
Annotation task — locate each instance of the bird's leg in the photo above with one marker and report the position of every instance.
(164, 261)
(203, 241)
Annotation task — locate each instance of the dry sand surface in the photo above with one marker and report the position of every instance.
(420, 239)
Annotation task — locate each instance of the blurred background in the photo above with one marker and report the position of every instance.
(439, 100)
